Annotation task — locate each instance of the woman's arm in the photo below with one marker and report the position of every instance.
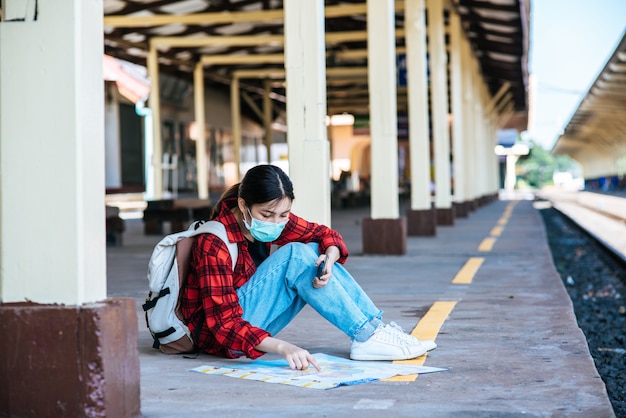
(298, 358)
(300, 230)
(224, 328)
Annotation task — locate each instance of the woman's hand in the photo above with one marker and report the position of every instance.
(297, 358)
(331, 255)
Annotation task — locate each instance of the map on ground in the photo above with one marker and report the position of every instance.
(335, 372)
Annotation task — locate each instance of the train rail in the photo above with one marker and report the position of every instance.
(602, 216)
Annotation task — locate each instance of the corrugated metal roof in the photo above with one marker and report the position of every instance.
(598, 126)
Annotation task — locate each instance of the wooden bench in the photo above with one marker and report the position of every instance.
(114, 226)
(178, 212)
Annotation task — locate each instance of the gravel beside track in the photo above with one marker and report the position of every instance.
(595, 282)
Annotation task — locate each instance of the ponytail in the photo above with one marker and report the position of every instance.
(232, 191)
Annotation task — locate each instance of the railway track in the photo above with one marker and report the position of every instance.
(600, 215)
(585, 246)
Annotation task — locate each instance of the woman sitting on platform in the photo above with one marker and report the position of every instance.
(238, 312)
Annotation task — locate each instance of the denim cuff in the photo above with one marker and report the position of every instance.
(367, 330)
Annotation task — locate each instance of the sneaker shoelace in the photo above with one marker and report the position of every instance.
(401, 334)
(388, 335)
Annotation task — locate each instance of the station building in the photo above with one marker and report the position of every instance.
(374, 98)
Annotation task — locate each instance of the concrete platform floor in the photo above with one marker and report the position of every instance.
(510, 342)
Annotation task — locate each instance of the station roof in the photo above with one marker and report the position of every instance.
(599, 122)
(248, 35)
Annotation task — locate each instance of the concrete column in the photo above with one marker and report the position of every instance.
(494, 164)
(235, 120)
(480, 136)
(113, 154)
(480, 104)
(267, 119)
(72, 352)
(457, 91)
(511, 175)
(469, 134)
(491, 156)
(421, 217)
(154, 102)
(385, 232)
(52, 157)
(484, 162)
(202, 169)
(439, 111)
(383, 114)
(486, 147)
(305, 68)
(148, 143)
(482, 143)
(476, 119)
(477, 128)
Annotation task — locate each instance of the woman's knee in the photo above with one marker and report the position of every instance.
(301, 249)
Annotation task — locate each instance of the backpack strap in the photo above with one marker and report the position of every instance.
(151, 302)
(219, 230)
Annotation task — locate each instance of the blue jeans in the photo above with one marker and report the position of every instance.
(283, 285)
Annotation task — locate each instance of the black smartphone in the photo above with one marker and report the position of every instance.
(320, 269)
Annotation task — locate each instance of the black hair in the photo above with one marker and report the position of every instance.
(262, 183)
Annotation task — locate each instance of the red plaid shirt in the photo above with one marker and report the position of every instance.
(209, 298)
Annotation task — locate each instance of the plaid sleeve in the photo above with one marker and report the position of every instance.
(210, 302)
(300, 230)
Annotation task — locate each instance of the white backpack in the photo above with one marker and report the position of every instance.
(167, 270)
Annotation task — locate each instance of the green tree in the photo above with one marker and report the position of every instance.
(537, 168)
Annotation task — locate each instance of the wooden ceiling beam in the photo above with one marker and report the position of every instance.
(193, 19)
(242, 59)
(250, 40)
(123, 21)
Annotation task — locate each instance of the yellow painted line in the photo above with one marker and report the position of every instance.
(496, 231)
(503, 220)
(509, 208)
(467, 273)
(427, 329)
(487, 244)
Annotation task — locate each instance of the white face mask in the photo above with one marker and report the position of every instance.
(264, 231)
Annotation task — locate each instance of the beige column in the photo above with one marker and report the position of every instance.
(477, 123)
(457, 90)
(439, 111)
(421, 218)
(154, 102)
(479, 129)
(69, 349)
(52, 157)
(383, 114)
(112, 143)
(483, 175)
(267, 119)
(305, 68)
(235, 120)
(488, 146)
(482, 135)
(491, 156)
(385, 232)
(202, 168)
(469, 133)
(494, 164)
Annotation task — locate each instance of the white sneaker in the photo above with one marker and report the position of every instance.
(428, 344)
(385, 344)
